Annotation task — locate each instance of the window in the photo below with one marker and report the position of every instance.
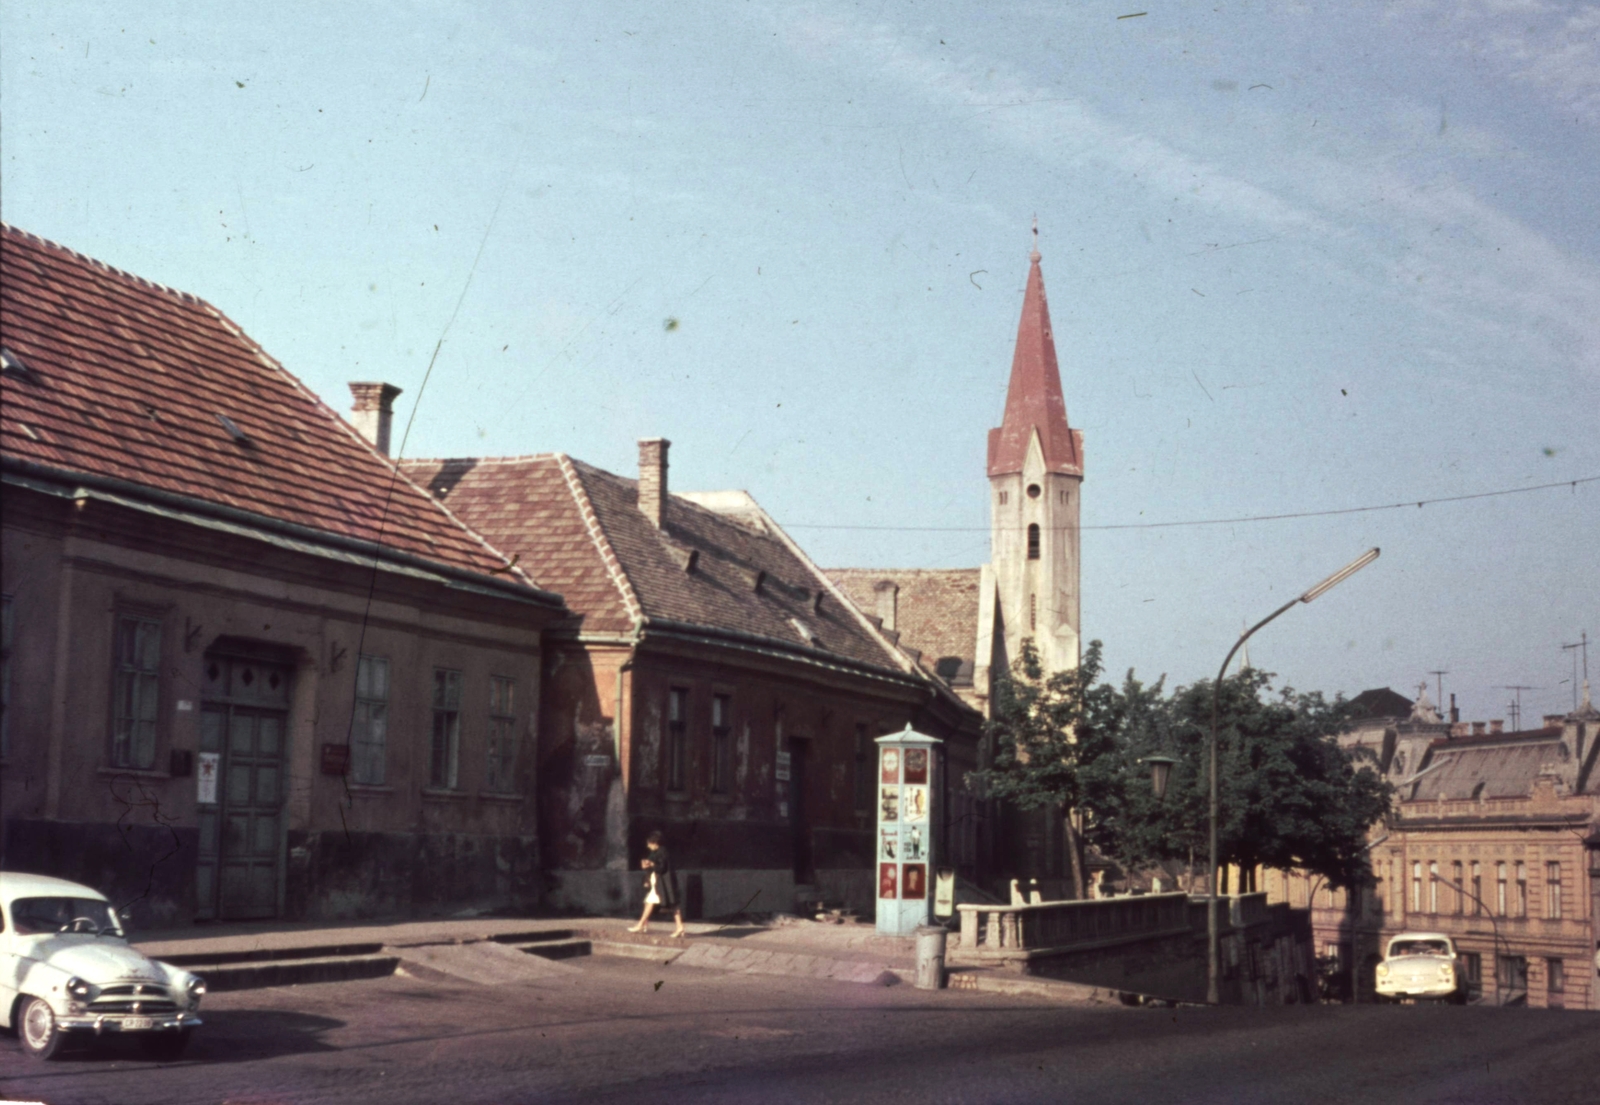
(501, 766)
(1552, 891)
(1477, 889)
(446, 728)
(1416, 886)
(1555, 975)
(5, 676)
(1472, 963)
(721, 744)
(866, 767)
(1033, 611)
(1433, 887)
(369, 728)
(1500, 888)
(1061, 496)
(138, 685)
(677, 709)
(1522, 890)
(1033, 540)
(1003, 497)
(1455, 877)
(1513, 978)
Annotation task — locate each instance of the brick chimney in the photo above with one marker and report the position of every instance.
(888, 596)
(653, 478)
(373, 412)
(1498, 725)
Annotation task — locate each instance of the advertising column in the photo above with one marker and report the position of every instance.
(907, 791)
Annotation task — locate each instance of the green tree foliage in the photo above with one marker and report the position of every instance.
(1290, 797)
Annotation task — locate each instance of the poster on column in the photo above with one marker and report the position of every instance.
(915, 804)
(888, 803)
(887, 880)
(916, 882)
(889, 844)
(891, 766)
(916, 765)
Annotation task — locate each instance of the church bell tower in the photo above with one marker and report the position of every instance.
(1035, 476)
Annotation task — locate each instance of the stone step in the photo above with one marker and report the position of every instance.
(555, 949)
(258, 973)
(189, 960)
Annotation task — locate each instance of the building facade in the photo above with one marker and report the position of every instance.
(712, 684)
(250, 671)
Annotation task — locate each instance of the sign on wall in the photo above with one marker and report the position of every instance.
(205, 779)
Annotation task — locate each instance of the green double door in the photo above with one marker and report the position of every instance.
(243, 724)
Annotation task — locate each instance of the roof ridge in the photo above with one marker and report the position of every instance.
(597, 534)
(520, 458)
(95, 262)
(391, 463)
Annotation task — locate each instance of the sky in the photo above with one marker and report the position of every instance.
(1299, 258)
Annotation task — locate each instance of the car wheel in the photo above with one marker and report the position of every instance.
(37, 1029)
(165, 1046)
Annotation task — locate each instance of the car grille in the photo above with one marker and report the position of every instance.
(134, 998)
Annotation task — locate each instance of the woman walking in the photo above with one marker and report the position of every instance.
(660, 885)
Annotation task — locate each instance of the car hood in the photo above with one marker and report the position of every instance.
(98, 960)
(1418, 964)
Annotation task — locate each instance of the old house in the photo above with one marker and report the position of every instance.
(251, 670)
(1495, 840)
(967, 624)
(712, 683)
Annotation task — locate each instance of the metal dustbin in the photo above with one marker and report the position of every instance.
(930, 957)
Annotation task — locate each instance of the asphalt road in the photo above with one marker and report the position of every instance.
(632, 1031)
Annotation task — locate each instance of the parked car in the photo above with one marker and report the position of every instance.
(66, 971)
(1422, 965)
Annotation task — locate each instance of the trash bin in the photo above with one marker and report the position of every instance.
(930, 957)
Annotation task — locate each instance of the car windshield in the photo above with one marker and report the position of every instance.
(1419, 947)
(32, 916)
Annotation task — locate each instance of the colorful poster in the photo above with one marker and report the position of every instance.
(888, 803)
(916, 884)
(886, 880)
(891, 766)
(916, 765)
(916, 803)
(206, 778)
(912, 848)
(889, 844)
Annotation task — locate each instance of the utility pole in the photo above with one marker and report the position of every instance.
(1438, 687)
(1583, 644)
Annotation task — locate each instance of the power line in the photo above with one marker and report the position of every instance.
(1221, 521)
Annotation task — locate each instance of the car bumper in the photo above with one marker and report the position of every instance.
(1416, 990)
(102, 1023)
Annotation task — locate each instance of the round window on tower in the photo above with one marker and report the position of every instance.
(1033, 491)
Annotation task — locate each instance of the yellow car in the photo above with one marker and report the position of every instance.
(1422, 965)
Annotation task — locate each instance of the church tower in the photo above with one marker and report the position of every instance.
(1035, 476)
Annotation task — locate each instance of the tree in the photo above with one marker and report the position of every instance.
(1056, 745)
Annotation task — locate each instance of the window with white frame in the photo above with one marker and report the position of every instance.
(369, 727)
(1477, 888)
(1459, 887)
(1433, 886)
(1522, 889)
(1552, 891)
(136, 691)
(1500, 888)
(1416, 886)
(499, 773)
(446, 747)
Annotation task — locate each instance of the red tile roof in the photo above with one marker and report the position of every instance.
(582, 528)
(1033, 398)
(132, 381)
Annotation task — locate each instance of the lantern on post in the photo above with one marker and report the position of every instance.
(1160, 773)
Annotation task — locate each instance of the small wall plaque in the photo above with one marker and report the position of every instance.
(336, 759)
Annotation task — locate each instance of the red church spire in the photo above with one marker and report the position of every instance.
(1033, 399)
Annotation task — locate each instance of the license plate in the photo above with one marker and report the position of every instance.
(138, 1024)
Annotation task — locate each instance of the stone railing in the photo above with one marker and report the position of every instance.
(995, 930)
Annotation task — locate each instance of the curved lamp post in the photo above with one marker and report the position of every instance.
(1213, 945)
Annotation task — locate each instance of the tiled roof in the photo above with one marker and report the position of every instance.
(936, 612)
(582, 529)
(132, 381)
(1503, 764)
(1379, 702)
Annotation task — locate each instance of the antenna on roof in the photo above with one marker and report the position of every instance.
(1516, 706)
(1581, 643)
(1438, 686)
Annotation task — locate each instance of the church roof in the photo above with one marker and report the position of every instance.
(1034, 402)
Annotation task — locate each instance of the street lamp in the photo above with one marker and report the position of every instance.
(1213, 944)
(1160, 772)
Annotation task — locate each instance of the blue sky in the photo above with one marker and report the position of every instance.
(1299, 258)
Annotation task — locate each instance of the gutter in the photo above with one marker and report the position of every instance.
(81, 486)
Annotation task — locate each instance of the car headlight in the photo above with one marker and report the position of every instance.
(1383, 970)
(78, 988)
(197, 986)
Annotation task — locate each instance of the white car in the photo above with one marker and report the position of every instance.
(1422, 965)
(66, 970)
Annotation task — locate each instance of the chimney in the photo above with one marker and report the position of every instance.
(653, 478)
(1478, 728)
(1498, 725)
(888, 603)
(1553, 721)
(373, 412)
(1455, 714)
